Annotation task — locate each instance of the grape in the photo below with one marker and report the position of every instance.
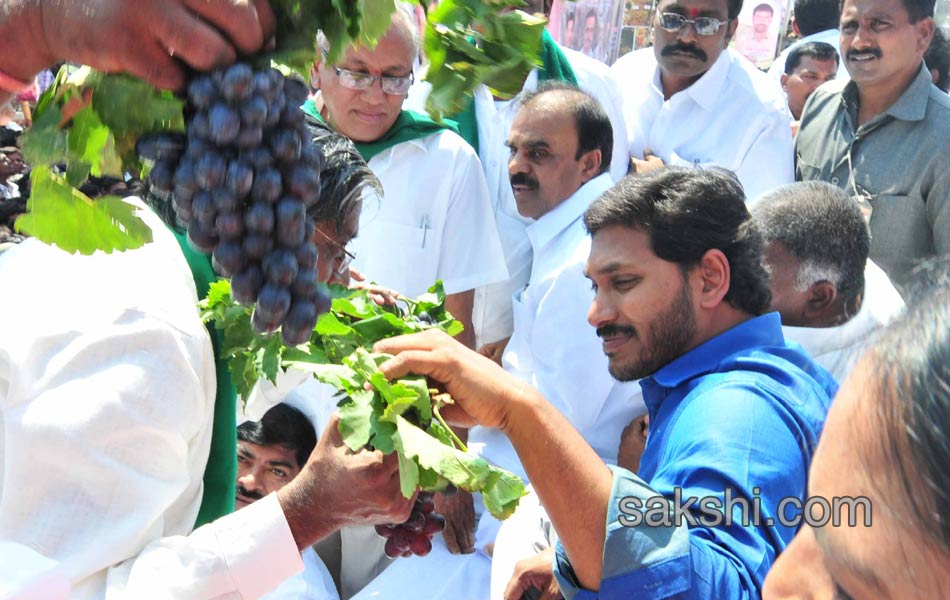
(434, 524)
(421, 545)
(240, 180)
(228, 257)
(259, 218)
(427, 506)
(237, 83)
(391, 550)
(299, 322)
(291, 217)
(246, 285)
(450, 490)
(415, 522)
(385, 531)
(402, 538)
(267, 186)
(280, 267)
(224, 124)
(415, 535)
(257, 246)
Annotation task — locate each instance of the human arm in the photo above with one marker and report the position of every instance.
(460, 306)
(769, 157)
(534, 573)
(151, 39)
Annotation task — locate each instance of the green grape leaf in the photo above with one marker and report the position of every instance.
(408, 475)
(502, 493)
(61, 215)
(463, 470)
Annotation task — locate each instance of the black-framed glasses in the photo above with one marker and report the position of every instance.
(673, 22)
(344, 256)
(355, 80)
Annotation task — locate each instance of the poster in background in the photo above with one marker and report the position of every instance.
(760, 24)
(588, 26)
(637, 30)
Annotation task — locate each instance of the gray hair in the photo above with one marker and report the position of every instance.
(823, 228)
(403, 17)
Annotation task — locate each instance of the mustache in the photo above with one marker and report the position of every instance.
(524, 179)
(685, 48)
(253, 495)
(876, 52)
(612, 330)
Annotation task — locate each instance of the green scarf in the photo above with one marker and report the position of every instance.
(221, 471)
(409, 125)
(554, 66)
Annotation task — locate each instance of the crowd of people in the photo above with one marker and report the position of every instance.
(666, 270)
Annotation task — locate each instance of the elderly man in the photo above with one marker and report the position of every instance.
(679, 292)
(690, 100)
(882, 137)
(832, 299)
(434, 221)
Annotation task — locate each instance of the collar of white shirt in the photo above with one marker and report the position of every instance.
(550, 225)
(705, 90)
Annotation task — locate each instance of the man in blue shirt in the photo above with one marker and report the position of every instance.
(735, 413)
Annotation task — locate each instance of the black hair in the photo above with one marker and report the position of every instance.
(594, 131)
(912, 358)
(938, 57)
(813, 16)
(823, 228)
(764, 6)
(816, 50)
(686, 213)
(916, 9)
(734, 7)
(282, 425)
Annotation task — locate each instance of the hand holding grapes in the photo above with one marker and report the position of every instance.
(459, 513)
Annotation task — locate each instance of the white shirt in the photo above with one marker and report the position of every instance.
(838, 348)
(492, 312)
(828, 36)
(107, 388)
(733, 117)
(433, 222)
(554, 348)
(314, 583)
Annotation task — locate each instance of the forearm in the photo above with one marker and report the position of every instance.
(23, 51)
(298, 499)
(460, 305)
(573, 483)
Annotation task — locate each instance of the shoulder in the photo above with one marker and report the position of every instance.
(585, 65)
(938, 109)
(638, 62)
(750, 85)
(443, 147)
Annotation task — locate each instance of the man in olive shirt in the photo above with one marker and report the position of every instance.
(883, 136)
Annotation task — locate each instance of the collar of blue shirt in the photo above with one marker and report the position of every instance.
(765, 330)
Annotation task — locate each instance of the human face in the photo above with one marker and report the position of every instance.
(879, 44)
(888, 560)
(684, 54)
(366, 115)
(761, 20)
(262, 470)
(643, 307)
(805, 79)
(570, 36)
(787, 299)
(334, 259)
(590, 32)
(543, 170)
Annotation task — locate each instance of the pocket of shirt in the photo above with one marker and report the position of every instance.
(807, 170)
(400, 257)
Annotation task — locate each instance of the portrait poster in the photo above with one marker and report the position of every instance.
(637, 30)
(588, 26)
(761, 22)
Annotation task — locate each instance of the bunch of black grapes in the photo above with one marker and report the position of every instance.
(241, 181)
(415, 535)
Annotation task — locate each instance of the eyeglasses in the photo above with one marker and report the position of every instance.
(354, 80)
(343, 256)
(673, 22)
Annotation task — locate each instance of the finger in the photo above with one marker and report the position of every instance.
(237, 19)
(551, 592)
(425, 340)
(152, 63)
(194, 41)
(449, 536)
(265, 16)
(456, 415)
(516, 587)
(407, 360)
(356, 275)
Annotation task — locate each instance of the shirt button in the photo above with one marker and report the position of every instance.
(834, 181)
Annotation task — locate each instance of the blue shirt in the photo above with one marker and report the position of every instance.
(741, 412)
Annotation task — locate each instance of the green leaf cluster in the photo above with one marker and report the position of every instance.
(469, 42)
(399, 416)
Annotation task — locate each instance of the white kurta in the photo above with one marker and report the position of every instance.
(734, 117)
(492, 315)
(434, 221)
(837, 349)
(107, 388)
(554, 348)
(314, 583)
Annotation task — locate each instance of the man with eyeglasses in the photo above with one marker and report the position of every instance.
(691, 101)
(882, 137)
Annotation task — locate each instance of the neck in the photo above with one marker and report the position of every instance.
(721, 320)
(673, 84)
(875, 99)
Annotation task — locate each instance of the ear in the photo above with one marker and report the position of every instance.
(925, 33)
(821, 298)
(783, 79)
(730, 31)
(715, 276)
(795, 28)
(591, 162)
